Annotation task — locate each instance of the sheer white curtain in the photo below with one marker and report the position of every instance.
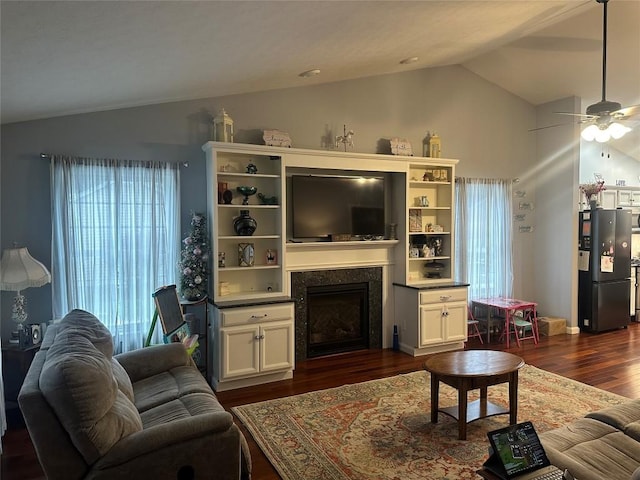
(484, 235)
(115, 240)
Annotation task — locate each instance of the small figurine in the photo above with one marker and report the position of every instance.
(251, 168)
(345, 139)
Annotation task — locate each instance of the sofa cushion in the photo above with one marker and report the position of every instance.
(186, 406)
(86, 324)
(78, 383)
(591, 449)
(122, 379)
(625, 417)
(167, 386)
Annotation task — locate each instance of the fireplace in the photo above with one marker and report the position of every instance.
(337, 311)
(337, 318)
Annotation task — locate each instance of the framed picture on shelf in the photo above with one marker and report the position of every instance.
(415, 221)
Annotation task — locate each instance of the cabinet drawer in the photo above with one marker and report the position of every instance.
(256, 314)
(443, 295)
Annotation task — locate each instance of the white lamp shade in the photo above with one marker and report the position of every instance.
(618, 130)
(589, 133)
(603, 136)
(604, 133)
(19, 270)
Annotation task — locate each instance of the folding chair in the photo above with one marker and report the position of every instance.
(472, 326)
(524, 321)
(174, 326)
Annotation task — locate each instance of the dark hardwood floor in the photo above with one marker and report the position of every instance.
(610, 361)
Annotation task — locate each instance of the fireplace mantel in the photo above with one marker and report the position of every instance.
(320, 255)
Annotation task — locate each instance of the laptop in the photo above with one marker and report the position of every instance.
(518, 454)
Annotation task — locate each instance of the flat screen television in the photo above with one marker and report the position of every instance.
(332, 205)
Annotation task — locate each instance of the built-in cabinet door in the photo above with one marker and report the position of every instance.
(277, 346)
(431, 325)
(444, 322)
(609, 199)
(629, 198)
(240, 351)
(456, 322)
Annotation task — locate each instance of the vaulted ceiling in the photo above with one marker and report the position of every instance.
(64, 57)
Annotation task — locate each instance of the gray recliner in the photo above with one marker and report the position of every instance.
(142, 414)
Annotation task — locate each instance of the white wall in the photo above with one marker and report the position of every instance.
(556, 236)
(480, 124)
(606, 160)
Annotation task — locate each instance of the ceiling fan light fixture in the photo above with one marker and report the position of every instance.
(618, 130)
(603, 136)
(589, 133)
(604, 133)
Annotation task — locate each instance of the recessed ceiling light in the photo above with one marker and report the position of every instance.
(407, 61)
(309, 73)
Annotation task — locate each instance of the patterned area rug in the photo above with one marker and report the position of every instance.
(381, 429)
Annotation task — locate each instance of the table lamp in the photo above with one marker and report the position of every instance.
(19, 270)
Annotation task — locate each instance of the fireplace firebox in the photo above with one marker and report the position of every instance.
(337, 310)
(338, 318)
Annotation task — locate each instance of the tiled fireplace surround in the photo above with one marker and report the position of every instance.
(325, 263)
(301, 281)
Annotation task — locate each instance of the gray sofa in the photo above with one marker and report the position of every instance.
(148, 413)
(603, 445)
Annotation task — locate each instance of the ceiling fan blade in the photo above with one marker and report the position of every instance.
(548, 126)
(575, 114)
(627, 111)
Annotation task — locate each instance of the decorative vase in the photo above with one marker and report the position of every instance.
(245, 224)
(247, 191)
(393, 231)
(593, 204)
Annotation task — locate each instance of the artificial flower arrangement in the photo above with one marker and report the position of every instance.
(193, 262)
(592, 189)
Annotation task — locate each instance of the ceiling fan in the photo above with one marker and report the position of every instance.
(604, 116)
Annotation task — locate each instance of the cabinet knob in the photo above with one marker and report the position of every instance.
(258, 317)
(259, 337)
(445, 313)
(445, 298)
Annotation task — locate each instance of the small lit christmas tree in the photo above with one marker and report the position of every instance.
(193, 262)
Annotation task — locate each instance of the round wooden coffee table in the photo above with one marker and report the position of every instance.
(469, 370)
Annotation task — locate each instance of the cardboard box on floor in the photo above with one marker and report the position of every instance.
(552, 325)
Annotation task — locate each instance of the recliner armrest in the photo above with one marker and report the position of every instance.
(209, 441)
(149, 361)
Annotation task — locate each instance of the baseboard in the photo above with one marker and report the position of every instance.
(224, 385)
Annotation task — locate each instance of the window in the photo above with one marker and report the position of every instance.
(115, 240)
(484, 253)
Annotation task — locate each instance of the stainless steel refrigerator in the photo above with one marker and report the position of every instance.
(604, 269)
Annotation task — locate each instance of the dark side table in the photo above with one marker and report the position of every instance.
(15, 365)
(467, 370)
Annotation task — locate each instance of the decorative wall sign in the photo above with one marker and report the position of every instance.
(525, 229)
(525, 206)
(519, 194)
(401, 146)
(276, 138)
(520, 217)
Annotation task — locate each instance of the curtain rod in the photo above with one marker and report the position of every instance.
(47, 156)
